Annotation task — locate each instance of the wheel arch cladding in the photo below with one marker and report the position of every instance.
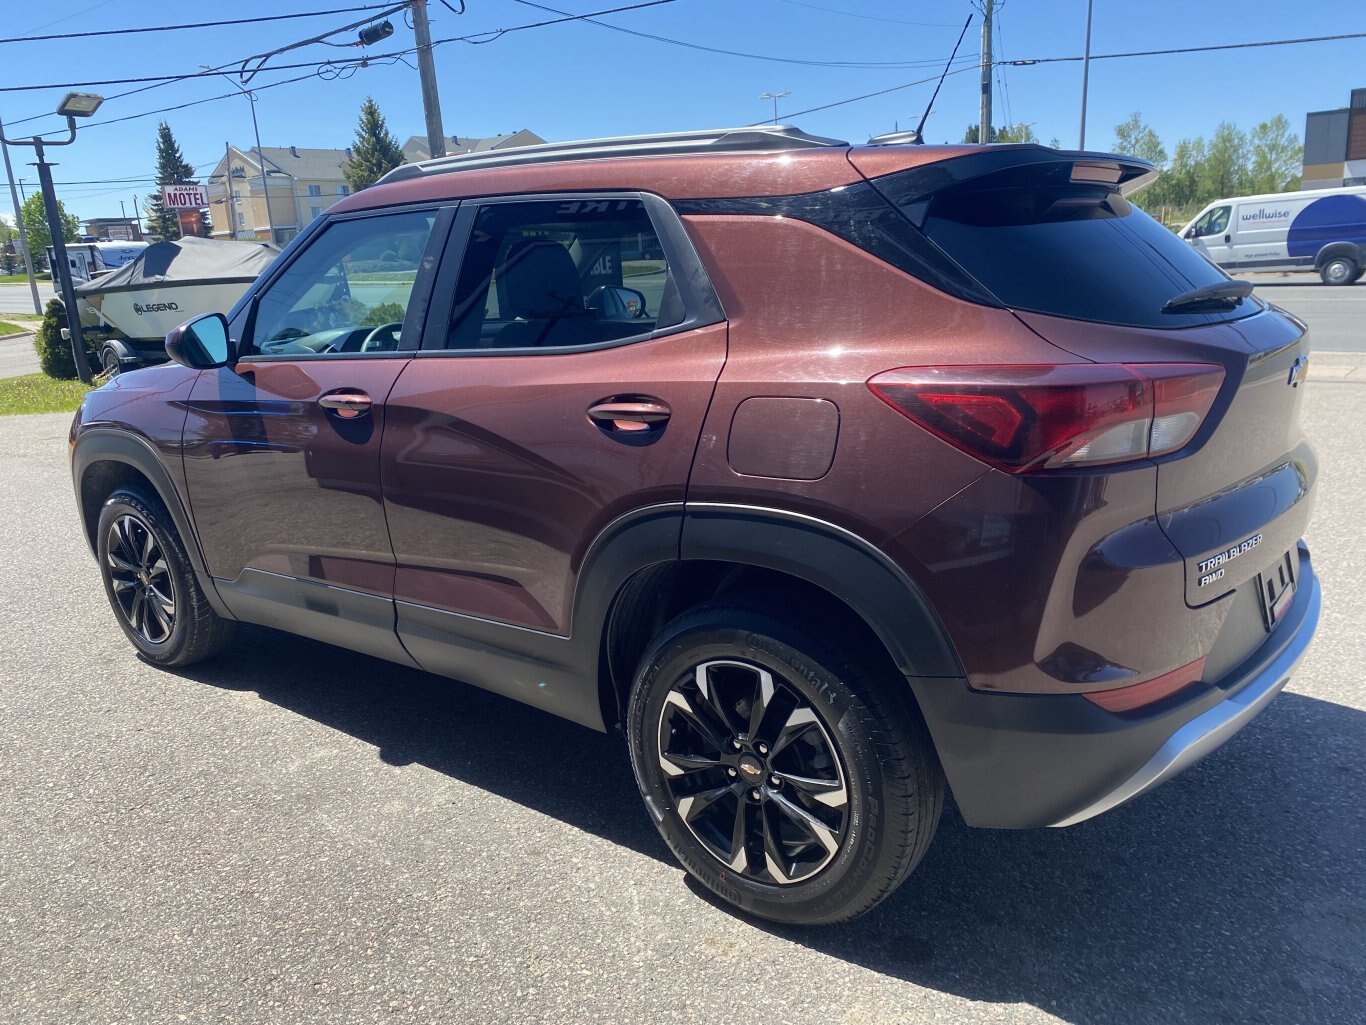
(784, 558)
(103, 462)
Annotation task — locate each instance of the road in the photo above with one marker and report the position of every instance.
(17, 356)
(18, 298)
(295, 834)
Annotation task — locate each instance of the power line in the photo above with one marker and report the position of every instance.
(1192, 49)
(473, 38)
(194, 25)
(736, 53)
(870, 17)
(882, 92)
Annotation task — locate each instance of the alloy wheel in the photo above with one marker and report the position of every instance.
(753, 772)
(141, 579)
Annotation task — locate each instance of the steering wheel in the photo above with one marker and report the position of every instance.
(374, 341)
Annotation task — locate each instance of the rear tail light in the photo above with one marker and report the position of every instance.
(1126, 699)
(1024, 419)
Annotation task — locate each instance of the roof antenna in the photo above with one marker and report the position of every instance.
(920, 128)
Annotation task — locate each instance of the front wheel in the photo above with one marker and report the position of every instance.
(151, 584)
(788, 772)
(1339, 271)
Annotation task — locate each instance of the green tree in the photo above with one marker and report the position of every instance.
(374, 153)
(1006, 133)
(1276, 157)
(9, 248)
(54, 351)
(1225, 170)
(172, 169)
(35, 223)
(1133, 138)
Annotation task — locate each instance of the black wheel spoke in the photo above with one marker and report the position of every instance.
(829, 792)
(807, 823)
(720, 730)
(140, 579)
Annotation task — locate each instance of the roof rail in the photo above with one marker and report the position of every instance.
(714, 140)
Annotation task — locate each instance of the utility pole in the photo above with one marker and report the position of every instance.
(775, 97)
(137, 214)
(1085, 77)
(19, 224)
(229, 200)
(260, 157)
(984, 122)
(426, 69)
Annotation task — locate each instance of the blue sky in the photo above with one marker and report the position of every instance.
(578, 80)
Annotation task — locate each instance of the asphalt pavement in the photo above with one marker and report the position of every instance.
(17, 356)
(18, 298)
(297, 834)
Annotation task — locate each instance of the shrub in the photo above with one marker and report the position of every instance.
(384, 313)
(54, 351)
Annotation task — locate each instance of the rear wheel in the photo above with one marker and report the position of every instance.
(109, 360)
(788, 772)
(151, 585)
(1340, 270)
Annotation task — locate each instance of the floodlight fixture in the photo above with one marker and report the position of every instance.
(79, 104)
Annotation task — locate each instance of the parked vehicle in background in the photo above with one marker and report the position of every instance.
(827, 473)
(88, 260)
(166, 283)
(1322, 230)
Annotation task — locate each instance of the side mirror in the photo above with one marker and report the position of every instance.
(201, 343)
(1190, 232)
(614, 302)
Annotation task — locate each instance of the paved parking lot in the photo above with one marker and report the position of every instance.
(298, 834)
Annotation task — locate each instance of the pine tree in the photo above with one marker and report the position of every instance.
(374, 153)
(172, 169)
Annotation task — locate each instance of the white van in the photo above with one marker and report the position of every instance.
(1321, 229)
(91, 259)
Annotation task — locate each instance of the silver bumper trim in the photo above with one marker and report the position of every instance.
(1216, 725)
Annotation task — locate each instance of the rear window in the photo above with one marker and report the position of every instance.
(1038, 242)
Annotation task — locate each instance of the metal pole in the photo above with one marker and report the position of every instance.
(60, 267)
(261, 161)
(984, 120)
(426, 70)
(23, 233)
(1085, 78)
(231, 202)
(138, 215)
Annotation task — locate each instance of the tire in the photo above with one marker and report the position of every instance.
(109, 361)
(151, 584)
(1340, 270)
(835, 718)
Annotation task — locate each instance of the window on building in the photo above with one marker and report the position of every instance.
(241, 220)
(315, 211)
(343, 190)
(315, 190)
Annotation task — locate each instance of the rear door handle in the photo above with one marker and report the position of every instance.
(634, 414)
(346, 405)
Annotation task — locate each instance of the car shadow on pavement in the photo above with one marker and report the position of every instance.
(1235, 893)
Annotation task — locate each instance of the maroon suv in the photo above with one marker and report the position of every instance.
(830, 474)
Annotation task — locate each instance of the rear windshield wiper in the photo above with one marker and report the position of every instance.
(1222, 295)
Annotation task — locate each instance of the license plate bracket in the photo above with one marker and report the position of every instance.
(1276, 589)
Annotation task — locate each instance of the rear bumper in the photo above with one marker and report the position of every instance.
(1025, 760)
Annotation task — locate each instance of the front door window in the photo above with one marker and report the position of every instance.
(348, 292)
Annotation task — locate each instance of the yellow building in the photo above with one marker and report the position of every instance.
(301, 184)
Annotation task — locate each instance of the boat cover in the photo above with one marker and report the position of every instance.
(186, 261)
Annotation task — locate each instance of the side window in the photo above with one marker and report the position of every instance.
(549, 273)
(1214, 222)
(348, 291)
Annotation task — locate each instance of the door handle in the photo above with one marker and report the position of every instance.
(1228, 239)
(627, 415)
(346, 405)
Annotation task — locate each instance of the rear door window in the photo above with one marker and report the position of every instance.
(1039, 242)
(552, 274)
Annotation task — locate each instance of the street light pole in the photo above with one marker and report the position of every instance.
(19, 224)
(1085, 77)
(775, 97)
(260, 157)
